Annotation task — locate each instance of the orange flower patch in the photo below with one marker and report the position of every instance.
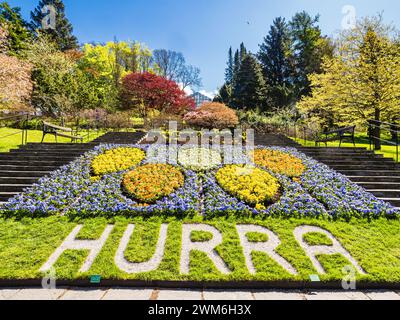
(279, 162)
(152, 182)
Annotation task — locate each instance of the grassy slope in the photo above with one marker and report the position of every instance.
(14, 141)
(388, 151)
(25, 246)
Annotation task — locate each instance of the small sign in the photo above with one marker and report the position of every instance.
(315, 278)
(95, 279)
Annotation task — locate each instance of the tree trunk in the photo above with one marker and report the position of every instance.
(377, 130)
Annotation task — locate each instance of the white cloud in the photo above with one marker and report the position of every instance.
(189, 91)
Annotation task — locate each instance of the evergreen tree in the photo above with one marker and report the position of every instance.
(16, 26)
(249, 88)
(229, 69)
(62, 34)
(224, 95)
(276, 60)
(242, 51)
(309, 49)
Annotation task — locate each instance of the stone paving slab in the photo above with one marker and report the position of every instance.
(180, 295)
(336, 295)
(128, 294)
(227, 295)
(7, 294)
(279, 295)
(83, 294)
(382, 295)
(39, 294)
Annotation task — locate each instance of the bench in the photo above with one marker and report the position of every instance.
(57, 131)
(338, 135)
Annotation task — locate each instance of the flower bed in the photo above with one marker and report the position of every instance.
(152, 182)
(157, 188)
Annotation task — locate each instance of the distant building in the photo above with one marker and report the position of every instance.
(200, 98)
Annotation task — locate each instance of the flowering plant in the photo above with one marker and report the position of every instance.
(199, 159)
(152, 182)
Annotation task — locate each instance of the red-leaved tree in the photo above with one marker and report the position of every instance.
(149, 91)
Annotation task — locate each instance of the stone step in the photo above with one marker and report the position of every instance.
(34, 164)
(21, 157)
(5, 196)
(40, 147)
(393, 201)
(8, 167)
(372, 179)
(379, 185)
(36, 174)
(13, 187)
(357, 162)
(341, 167)
(18, 180)
(370, 173)
(385, 193)
(355, 158)
(47, 153)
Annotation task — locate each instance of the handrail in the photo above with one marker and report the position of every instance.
(21, 118)
(393, 128)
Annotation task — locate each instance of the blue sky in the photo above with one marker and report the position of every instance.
(202, 30)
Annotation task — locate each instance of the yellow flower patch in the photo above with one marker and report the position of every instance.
(279, 162)
(249, 184)
(116, 160)
(152, 182)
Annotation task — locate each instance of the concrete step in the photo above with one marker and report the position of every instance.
(371, 173)
(22, 157)
(372, 179)
(393, 201)
(13, 187)
(5, 196)
(18, 180)
(42, 167)
(44, 153)
(353, 158)
(380, 185)
(385, 193)
(10, 173)
(358, 162)
(364, 167)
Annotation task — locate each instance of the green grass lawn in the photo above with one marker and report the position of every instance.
(12, 142)
(388, 151)
(27, 244)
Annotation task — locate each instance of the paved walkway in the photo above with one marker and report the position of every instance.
(155, 294)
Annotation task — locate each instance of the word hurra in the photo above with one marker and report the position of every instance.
(208, 247)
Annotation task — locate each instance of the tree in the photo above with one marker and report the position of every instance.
(15, 79)
(229, 68)
(249, 87)
(146, 91)
(172, 66)
(61, 32)
(276, 59)
(361, 82)
(309, 48)
(224, 94)
(169, 62)
(17, 31)
(106, 64)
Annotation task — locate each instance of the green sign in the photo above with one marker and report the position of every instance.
(95, 279)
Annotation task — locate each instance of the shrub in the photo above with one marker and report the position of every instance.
(279, 162)
(251, 185)
(152, 182)
(212, 115)
(116, 160)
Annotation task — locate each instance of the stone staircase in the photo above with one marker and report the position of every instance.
(378, 175)
(22, 167)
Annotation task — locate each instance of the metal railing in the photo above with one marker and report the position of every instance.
(20, 120)
(377, 128)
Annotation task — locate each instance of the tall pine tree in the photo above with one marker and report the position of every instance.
(229, 68)
(62, 34)
(276, 60)
(17, 28)
(309, 49)
(249, 90)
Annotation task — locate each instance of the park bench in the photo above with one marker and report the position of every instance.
(338, 135)
(58, 131)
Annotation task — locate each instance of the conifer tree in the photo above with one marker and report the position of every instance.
(62, 33)
(275, 56)
(229, 69)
